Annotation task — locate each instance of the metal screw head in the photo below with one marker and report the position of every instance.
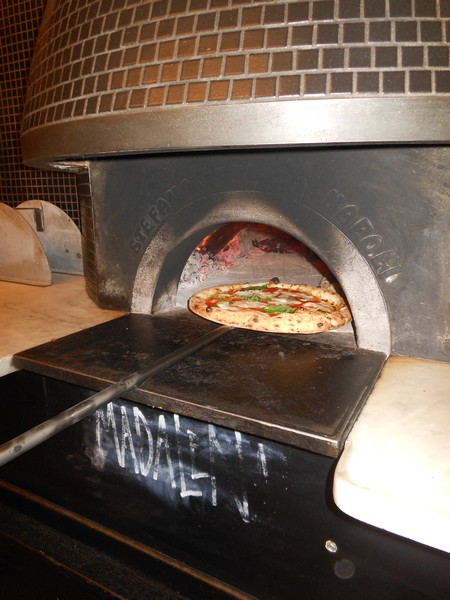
(331, 546)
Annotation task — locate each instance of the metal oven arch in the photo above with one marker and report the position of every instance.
(158, 273)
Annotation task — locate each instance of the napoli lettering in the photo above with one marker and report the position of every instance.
(168, 453)
(361, 230)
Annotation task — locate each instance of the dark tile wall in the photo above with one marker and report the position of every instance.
(19, 23)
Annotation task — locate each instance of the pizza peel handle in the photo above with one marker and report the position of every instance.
(44, 431)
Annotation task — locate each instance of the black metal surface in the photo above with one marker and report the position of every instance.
(259, 521)
(38, 434)
(277, 386)
(44, 555)
(27, 574)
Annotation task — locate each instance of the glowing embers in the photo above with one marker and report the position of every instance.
(241, 252)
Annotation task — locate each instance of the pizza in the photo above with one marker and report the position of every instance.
(272, 306)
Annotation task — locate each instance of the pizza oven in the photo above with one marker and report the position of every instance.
(158, 228)
(226, 142)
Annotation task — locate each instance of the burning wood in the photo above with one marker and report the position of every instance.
(239, 252)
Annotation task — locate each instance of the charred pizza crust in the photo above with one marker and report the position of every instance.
(327, 311)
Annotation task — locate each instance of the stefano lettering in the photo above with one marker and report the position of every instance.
(156, 215)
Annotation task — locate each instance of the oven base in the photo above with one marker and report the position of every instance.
(253, 515)
(44, 555)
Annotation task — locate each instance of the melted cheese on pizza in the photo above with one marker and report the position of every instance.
(270, 300)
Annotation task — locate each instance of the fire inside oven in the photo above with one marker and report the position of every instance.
(250, 252)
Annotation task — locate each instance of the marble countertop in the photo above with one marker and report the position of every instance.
(394, 472)
(32, 315)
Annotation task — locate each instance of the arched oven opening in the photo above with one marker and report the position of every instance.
(214, 252)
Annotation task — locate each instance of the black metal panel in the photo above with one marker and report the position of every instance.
(282, 387)
(253, 514)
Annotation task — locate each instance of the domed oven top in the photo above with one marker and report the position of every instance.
(121, 77)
